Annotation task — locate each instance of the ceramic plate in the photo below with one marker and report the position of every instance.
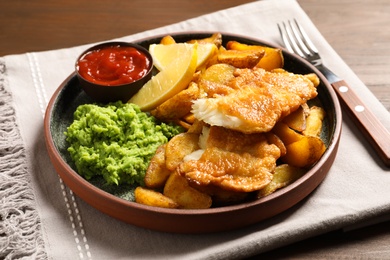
(117, 202)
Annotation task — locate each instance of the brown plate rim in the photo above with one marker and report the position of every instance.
(317, 172)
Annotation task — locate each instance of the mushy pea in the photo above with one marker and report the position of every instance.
(115, 141)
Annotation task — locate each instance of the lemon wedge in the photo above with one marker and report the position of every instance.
(163, 55)
(168, 82)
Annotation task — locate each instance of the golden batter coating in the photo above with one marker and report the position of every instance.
(233, 161)
(260, 98)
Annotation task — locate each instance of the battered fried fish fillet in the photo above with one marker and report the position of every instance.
(260, 98)
(231, 160)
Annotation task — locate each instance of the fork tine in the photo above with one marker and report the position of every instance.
(296, 40)
(298, 37)
(310, 45)
(289, 43)
(290, 39)
(284, 36)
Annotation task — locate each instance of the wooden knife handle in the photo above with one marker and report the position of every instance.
(372, 128)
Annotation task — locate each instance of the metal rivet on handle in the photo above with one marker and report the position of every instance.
(359, 108)
(343, 89)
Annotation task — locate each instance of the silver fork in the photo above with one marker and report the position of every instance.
(297, 41)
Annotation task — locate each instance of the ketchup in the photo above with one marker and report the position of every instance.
(113, 65)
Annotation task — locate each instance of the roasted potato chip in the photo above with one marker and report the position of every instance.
(157, 173)
(177, 106)
(313, 78)
(168, 39)
(153, 198)
(214, 80)
(219, 73)
(306, 109)
(240, 58)
(183, 124)
(178, 189)
(304, 152)
(296, 120)
(196, 127)
(221, 197)
(178, 147)
(272, 59)
(189, 118)
(284, 175)
(286, 134)
(274, 139)
(216, 38)
(226, 197)
(314, 121)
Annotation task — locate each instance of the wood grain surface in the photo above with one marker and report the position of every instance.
(357, 30)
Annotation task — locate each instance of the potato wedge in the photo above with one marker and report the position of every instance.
(157, 173)
(196, 127)
(272, 59)
(182, 123)
(177, 106)
(313, 78)
(215, 79)
(221, 197)
(189, 118)
(274, 139)
(304, 152)
(219, 73)
(178, 147)
(286, 134)
(314, 121)
(215, 38)
(153, 198)
(168, 39)
(284, 175)
(178, 189)
(296, 120)
(240, 58)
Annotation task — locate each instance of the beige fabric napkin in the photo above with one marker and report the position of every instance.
(65, 227)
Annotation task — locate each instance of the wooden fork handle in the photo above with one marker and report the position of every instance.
(372, 128)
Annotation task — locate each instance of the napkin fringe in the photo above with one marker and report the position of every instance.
(20, 225)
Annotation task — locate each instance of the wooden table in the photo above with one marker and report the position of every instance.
(357, 31)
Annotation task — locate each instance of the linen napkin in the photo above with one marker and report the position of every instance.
(42, 218)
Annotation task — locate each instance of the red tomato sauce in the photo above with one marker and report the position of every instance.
(113, 65)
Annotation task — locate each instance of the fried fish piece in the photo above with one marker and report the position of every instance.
(232, 160)
(260, 98)
(213, 89)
